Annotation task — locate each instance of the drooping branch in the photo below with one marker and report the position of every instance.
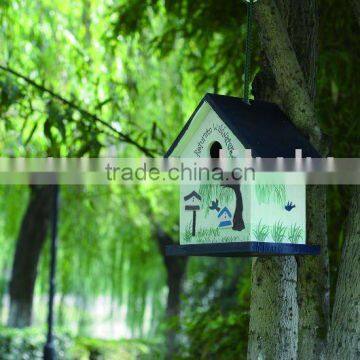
(286, 69)
(122, 136)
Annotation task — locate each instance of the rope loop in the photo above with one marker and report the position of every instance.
(247, 70)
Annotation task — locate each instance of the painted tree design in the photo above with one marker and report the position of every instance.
(271, 193)
(238, 221)
(224, 194)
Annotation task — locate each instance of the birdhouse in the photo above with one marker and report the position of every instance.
(222, 218)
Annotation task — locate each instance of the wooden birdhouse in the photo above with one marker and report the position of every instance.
(223, 218)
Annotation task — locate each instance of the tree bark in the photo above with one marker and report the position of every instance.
(302, 26)
(175, 271)
(288, 33)
(286, 69)
(313, 281)
(30, 241)
(273, 309)
(175, 276)
(313, 272)
(344, 335)
(273, 326)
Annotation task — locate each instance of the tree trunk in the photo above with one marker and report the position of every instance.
(30, 241)
(313, 281)
(344, 335)
(238, 222)
(288, 32)
(273, 309)
(175, 271)
(313, 272)
(175, 276)
(289, 77)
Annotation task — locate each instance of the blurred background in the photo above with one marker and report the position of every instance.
(120, 78)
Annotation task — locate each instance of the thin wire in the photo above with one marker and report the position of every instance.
(248, 50)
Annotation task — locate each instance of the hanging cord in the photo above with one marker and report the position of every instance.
(249, 4)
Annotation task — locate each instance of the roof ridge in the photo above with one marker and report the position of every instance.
(260, 126)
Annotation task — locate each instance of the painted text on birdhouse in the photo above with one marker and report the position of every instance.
(225, 212)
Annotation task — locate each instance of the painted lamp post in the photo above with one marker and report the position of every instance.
(235, 218)
(257, 219)
(192, 203)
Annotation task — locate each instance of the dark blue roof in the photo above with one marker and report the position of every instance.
(224, 210)
(260, 126)
(192, 194)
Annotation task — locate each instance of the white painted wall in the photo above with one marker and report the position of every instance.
(205, 129)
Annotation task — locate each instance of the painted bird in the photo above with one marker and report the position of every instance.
(289, 206)
(215, 205)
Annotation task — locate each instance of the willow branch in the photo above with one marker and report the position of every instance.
(286, 69)
(122, 136)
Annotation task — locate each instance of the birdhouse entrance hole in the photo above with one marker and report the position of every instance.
(215, 150)
(222, 217)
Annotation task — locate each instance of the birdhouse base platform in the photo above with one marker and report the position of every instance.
(242, 249)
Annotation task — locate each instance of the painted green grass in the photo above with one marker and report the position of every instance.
(214, 235)
(270, 193)
(278, 232)
(227, 239)
(207, 235)
(188, 233)
(218, 239)
(261, 231)
(295, 234)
